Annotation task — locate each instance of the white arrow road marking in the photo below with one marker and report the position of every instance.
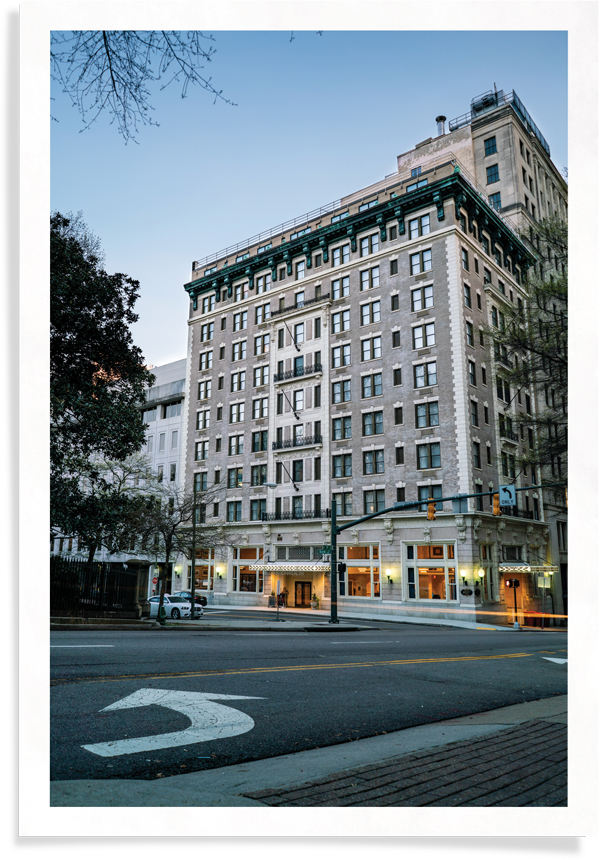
(209, 720)
(554, 659)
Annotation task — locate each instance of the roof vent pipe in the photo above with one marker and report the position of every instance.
(440, 125)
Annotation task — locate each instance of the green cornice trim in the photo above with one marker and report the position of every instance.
(453, 187)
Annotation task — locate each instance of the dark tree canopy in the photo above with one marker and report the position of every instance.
(113, 70)
(97, 375)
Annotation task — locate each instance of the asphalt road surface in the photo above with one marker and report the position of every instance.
(304, 691)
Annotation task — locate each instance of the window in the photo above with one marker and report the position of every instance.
(207, 331)
(300, 270)
(262, 313)
(238, 351)
(236, 413)
(342, 428)
(342, 466)
(201, 450)
(420, 262)
(299, 299)
(373, 462)
(427, 414)
(317, 396)
(483, 376)
(372, 386)
(261, 344)
(204, 389)
(341, 287)
(221, 353)
(470, 339)
(370, 313)
(340, 321)
(421, 298)
(208, 304)
(395, 339)
(490, 146)
(174, 439)
(372, 424)
(263, 284)
(393, 235)
(261, 375)
(420, 184)
(238, 381)
(396, 302)
(201, 482)
(205, 360)
(258, 475)
(298, 333)
(203, 420)
(340, 355)
(428, 456)
(475, 413)
(393, 266)
(160, 473)
(397, 376)
(234, 478)
(171, 410)
(503, 389)
(258, 509)
(477, 455)
(364, 206)
(399, 455)
(340, 255)
(298, 470)
(240, 291)
(423, 335)
(240, 321)
(343, 504)
(373, 501)
(234, 512)
(236, 445)
(487, 276)
(260, 408)
(340, 391)
(298, 400)
(317, 260)
(369, 278)
(425, 374)
(463, 223)
(172, 471)
(492, 174)
(398, 419)
(370, 349)
(418, 227)
(495, 201)
(472, 373)
(465, 259)
(369, 245)
(223, 323)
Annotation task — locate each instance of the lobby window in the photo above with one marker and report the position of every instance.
(492, 174)
(427, 414)
(340, 255)
(421, 298)
(420, 262)
(342, 427)
(370, 348)
(342, 466)
(423, 335)
(372, 424)
(428, 456)
(373, 501)
(418, 227)
(372, 386)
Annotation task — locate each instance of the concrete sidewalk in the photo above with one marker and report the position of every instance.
(514, 756)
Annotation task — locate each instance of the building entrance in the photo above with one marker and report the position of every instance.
(302, 597)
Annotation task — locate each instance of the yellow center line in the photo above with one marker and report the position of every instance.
(261, 669)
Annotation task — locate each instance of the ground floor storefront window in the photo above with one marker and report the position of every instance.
(362, 576)
(430, 572)
(244, 579)
(204, 570)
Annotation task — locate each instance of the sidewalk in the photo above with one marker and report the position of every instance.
(514, 756)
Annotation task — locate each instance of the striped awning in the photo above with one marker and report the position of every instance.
(273, 566)
(528, 568)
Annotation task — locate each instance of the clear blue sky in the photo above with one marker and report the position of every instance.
(316, 118)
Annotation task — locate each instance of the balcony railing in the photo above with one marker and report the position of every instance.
(508, 434)
(300, 305)
(324, 514)
(296, 443)
(298, 371)
(512, 511)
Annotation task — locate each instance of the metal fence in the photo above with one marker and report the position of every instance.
(96, 589)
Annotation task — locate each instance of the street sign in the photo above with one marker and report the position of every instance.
(154, 580)
(544, 582)
(325, 550)
(508, 495)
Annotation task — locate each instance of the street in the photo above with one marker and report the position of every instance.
(219, 698)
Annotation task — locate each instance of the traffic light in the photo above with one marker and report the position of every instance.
(341, 568)
(430, 509)
(497, 511)
(511, 583)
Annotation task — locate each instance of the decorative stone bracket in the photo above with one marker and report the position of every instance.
(389, 529)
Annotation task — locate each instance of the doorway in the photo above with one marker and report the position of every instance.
(303, 592)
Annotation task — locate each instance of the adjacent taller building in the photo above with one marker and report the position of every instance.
(343, 357)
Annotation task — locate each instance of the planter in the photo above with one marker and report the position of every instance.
(314, 604)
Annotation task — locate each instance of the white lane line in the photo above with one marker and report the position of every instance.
(555, 659)
(358, 642)
(82, 646)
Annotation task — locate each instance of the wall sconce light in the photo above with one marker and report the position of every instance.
(480, 575)
(218, 572)
(463, 574)
(388, 573)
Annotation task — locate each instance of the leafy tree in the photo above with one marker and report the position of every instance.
(532, 344)
(97, 375)
(113, 70)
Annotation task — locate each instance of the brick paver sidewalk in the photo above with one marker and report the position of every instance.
(521, 766)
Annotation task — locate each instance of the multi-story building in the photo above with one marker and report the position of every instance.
(343, 357)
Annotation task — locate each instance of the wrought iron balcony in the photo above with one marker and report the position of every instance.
(513, 511)
(300, 305)
(323, 514)
(508, 434)
(296, 443)
(300, 371)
